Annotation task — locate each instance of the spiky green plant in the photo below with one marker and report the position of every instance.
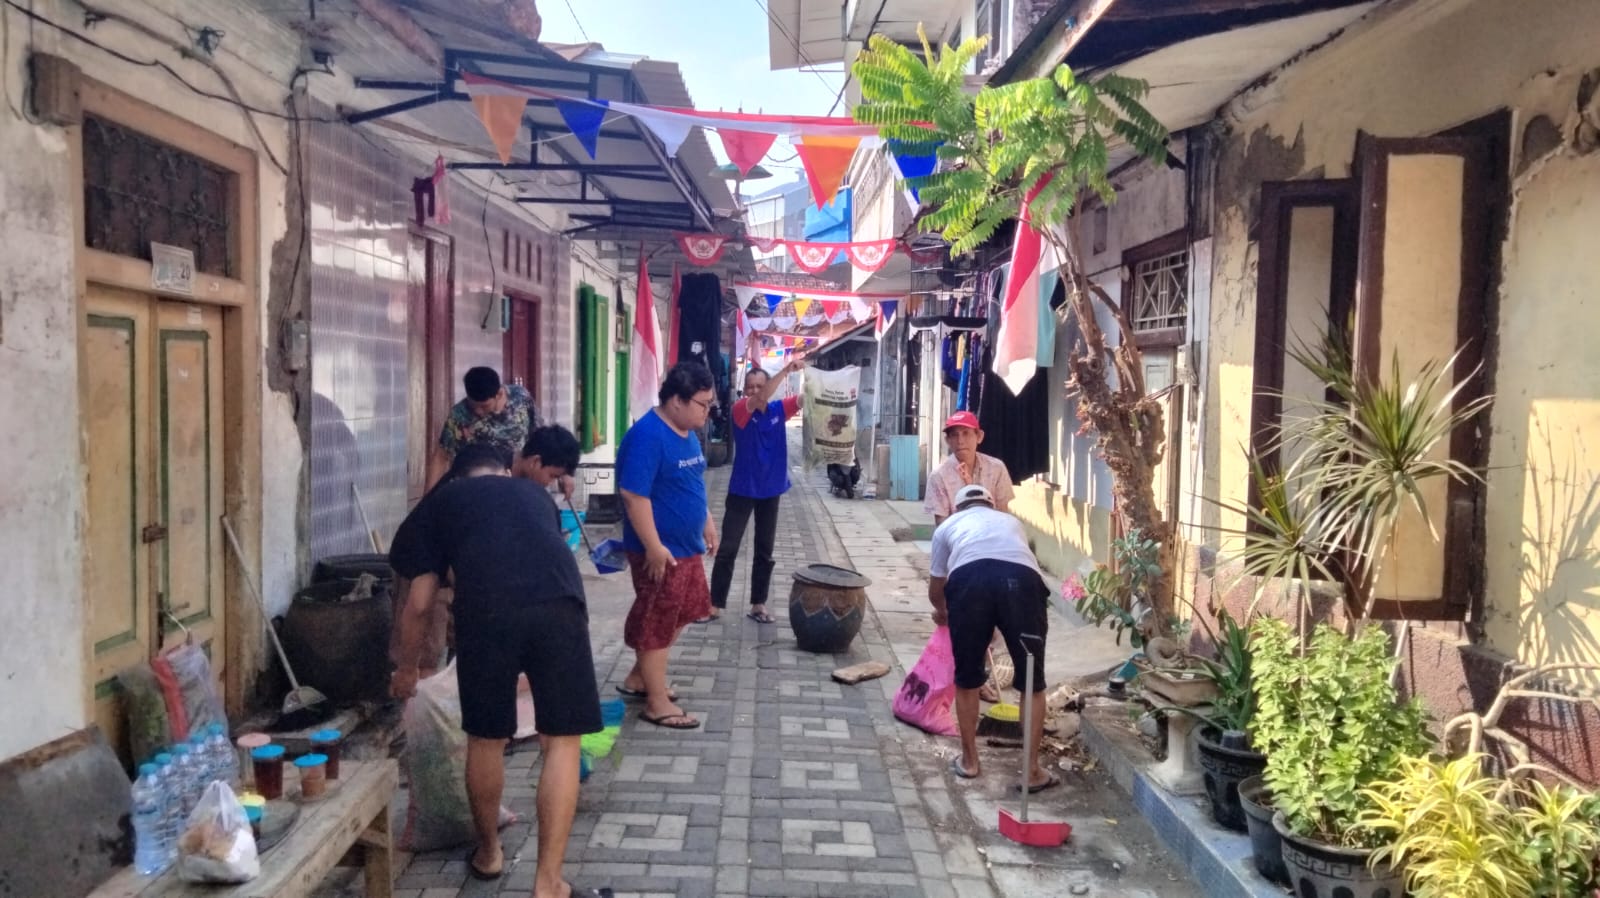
(1362, 457)
(1047, 140)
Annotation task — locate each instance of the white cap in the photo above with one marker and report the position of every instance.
(971, 493)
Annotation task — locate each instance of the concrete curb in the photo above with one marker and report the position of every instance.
(1217, 859)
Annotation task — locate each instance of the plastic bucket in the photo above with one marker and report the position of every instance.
(608, 557)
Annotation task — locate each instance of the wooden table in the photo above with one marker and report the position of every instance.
(355, 814)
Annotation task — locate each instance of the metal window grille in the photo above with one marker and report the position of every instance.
(1161, 292)
(138, 191)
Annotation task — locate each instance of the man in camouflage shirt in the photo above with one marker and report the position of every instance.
(496, 414)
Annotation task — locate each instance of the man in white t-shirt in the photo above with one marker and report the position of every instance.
(983, 578)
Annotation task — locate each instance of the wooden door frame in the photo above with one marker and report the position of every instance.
(536, 302)
(438, 342)
(239, 300)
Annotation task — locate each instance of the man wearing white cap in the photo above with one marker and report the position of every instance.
(983, 578)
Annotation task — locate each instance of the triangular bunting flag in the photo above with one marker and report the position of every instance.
(502, 118)
(825, 160)
(914, 160)
(764, 244)
(745, 148)
(773, 301)
(859, 310)
(584, 119)
(814, 258)
(870, 256)
(800, 307)
(702, 249)
(671, 130)
(885, 315)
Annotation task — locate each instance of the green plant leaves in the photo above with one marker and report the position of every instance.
(1330, 724)
(1006, 137)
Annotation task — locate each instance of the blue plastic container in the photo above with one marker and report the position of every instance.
(612, 711)
(572, 527)
(608, 557)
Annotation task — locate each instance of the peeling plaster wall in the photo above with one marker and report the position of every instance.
(1412, 69)
(42, 652)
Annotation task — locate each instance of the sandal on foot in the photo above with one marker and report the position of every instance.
(958, 770)
(672, 694)
(710, 618)
(591, 893)
(480, 874)
(1036, 788)
(671, 721)
(761, 617)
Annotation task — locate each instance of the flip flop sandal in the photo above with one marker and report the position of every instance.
(672, 694)
(685, 722)
(1050, 783)
(956, 768)
(592, 893)
(761, 617)
(478, 874)
(708, 619)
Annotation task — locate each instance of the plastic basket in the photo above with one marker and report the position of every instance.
(608, 557)
(572, 528)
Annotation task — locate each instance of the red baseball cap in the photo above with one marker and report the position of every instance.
(962, 419)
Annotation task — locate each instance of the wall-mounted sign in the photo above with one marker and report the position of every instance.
(171, 269)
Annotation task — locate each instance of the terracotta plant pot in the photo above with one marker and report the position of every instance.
(1225, 767)
(1317, 870)
(1266, 847)
(1178, 690)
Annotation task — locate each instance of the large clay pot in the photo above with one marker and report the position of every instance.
(340, 648)
(826, 607)
(1225, 766)
(1265, 844)
(1317, 870)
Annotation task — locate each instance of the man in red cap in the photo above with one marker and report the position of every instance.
(965, 466)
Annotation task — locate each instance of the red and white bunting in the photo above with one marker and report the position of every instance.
(870, 255)
(764, 244)
(813, 258)
(702, 249)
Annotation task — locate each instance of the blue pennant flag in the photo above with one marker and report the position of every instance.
(584, 118)
(915, 160)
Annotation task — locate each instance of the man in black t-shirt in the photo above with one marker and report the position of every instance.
(519, 608)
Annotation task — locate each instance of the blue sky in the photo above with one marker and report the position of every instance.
(721, 48)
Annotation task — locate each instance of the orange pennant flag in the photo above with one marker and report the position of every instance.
(502, 118)
(825, 159)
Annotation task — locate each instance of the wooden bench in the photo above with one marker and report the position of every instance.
(355, 815)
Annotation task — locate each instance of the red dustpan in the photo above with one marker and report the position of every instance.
(1019, 829)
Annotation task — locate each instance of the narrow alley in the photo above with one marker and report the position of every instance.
(797, 785)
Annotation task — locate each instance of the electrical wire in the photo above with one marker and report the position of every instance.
(576, 22)
(798, 50)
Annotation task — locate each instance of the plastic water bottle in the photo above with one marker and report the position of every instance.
(224, 762)
(172, 820)
(201, 753)
(149, 854)
(186, 784)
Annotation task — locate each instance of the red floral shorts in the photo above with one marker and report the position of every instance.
(663, 607)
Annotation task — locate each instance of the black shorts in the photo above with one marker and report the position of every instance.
(547, 639)
(984, 596)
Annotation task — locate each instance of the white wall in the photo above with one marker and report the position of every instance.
(41, 491)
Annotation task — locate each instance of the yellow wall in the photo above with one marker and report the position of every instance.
(1414, 69)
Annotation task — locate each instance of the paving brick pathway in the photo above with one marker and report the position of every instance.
(794, 786)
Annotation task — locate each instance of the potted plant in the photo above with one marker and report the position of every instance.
(1459, 833)
(1225, 747)
(1329, 721)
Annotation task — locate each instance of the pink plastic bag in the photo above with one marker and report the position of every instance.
(928, 695)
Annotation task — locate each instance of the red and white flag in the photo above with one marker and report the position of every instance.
(644, 356)
(1016, 350)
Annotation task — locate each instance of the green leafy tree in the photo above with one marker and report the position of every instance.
(1048, 140)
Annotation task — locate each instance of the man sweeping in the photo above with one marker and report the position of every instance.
(983, 578)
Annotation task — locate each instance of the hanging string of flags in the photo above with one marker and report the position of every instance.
(808, 314)
(705, 249)
(825, 144)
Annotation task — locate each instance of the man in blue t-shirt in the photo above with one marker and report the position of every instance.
(666, 532)
(760, 478)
